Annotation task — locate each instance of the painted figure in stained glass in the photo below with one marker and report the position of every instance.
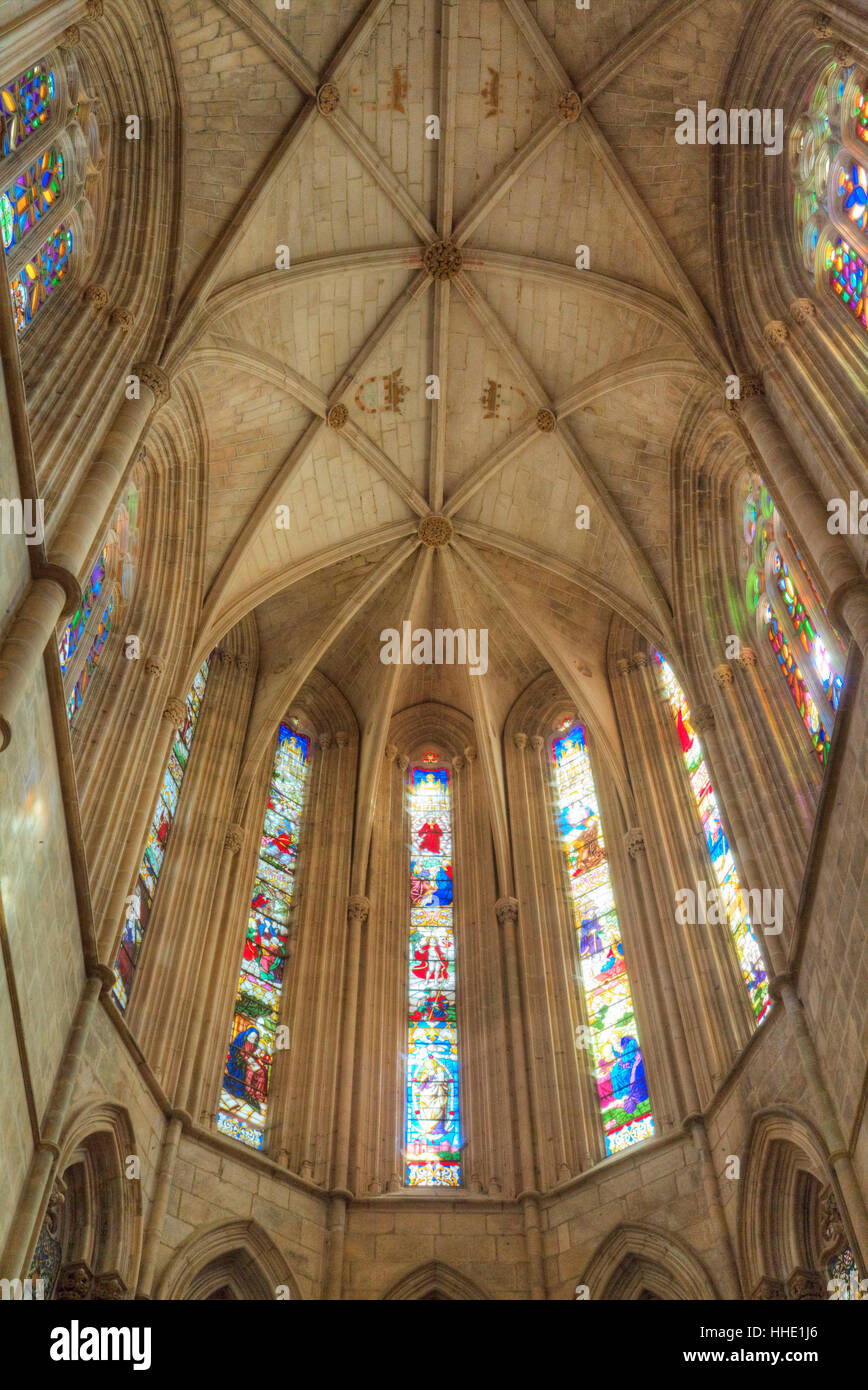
(617, 1058)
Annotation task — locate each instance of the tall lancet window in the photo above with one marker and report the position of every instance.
(610, 1034)
(254, 1035)
(433, 1129)
(141, 901)
(790, 616)
(747, 950)
(829, 170)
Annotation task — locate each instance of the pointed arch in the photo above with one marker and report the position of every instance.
(638, 1261)
(233, 1255)
(437, 1280)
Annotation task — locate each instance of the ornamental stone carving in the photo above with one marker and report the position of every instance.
(634, 841)
(752, 387)
(570, 107)
(109, 1287)
(545, 421)
(776, 333)
(722, 675)
(390, 752)
(832, 1232)
(342, 738)
(325, 741)
(358, 910)
(94, 9)
(73, 1283)
(769, 1290)
(458, 762)
(520, 741)
(803, 311)
(154, 667)
(337, 417)
(844, 55)
(97, 296)
(702, 719)
(234, 839)
(328, 98)
(71, 37)
(822, 27)
(435, 531)
(156, 381)
(470, 753)
(536, 742)
(804, 1285)
(506, 910)
(122, 319)
(442, 260)
(174, 711)
(746, 657)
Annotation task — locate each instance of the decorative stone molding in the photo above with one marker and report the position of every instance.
(154, 666)
(435, 531)
(442, 260)
(337, 417)
(570, 107)
(328, 98)
(342, 738)
(803, 311)
(458, 762)
(394, 1184)
(174, 711)
(844, 55)
(634, 841)
(746, 657)
(832, 1232)
(702, 718)
(470, 753)
(506, 910)
(73, 1283)
(96, 295)
(804, 1285)
(122, 319)
(752, 386)
(776, 333)
(71, 37)
(156, 380)
(324, 741)
(109, 1287)
(234, 839)
(536, 742)
(722, 675)
(637, 662)
(545, 421)
(769, 1290)
(94, 9)
(822, 27)
(358, 910)
(520, 741)
(390, 752)
(242, 662)
(403, 762)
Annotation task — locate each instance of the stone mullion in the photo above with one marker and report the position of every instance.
(530, 993)
(580, 1115)
(675, 859)
(471, 1016)
(178, 939)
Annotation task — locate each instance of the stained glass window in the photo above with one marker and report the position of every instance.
(433, 1127)
(830, 183)
(29, 196)
(25, 105)
(244, 1097)
(74, 630)
(141, 902)
(93, 656)
(613, 1037)
(844, 1278)
(792, 618)
(32, 285)
(723, 865)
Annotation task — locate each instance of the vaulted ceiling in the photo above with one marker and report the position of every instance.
(412, 258)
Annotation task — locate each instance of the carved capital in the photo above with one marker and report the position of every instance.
(458, 762)
(832, 1232)
(470, 753)
(154, 666)
(634, 841)
(506, 910)
(71, 37)
(156, 381)
(804, 1285)
(435, 531)
(822, 27)
(769, 1290)
(520, 741)
(234, 839)
(752, 388)
(536, 742)
(73, 1283)
(442, 260)
(109, 1287)
(803, 311)
(324, 741)
(94, 9)
(776, 333)
(337, 417)
(722, 675)
(96, 295)
(67, 581)
(545, 421)
(174, 711)
(358, 910)
(342, 738)
(702, 719)
(122, 319)
(403, 762)
(746, 657)
(844, 55)
(390, 752)
(570, 107)
(328, 98)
